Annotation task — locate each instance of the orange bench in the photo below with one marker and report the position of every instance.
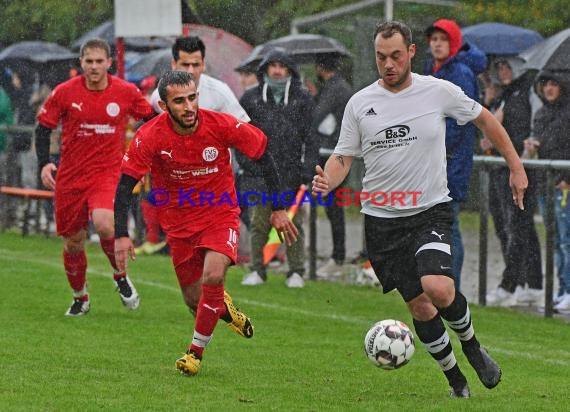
(28, 195)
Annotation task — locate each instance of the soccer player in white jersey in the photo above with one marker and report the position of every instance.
(189, 55)
(397, 124)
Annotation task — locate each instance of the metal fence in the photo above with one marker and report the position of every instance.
(481, 163)
(18, 169)
(484, 164)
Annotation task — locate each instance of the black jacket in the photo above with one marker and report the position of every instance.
(331, 100)
(552, 123)
(517, 110)
(287, 126)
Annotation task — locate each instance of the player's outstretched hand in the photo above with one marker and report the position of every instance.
(124, 249)
(286, 229)
(519, 184)
(320, 182)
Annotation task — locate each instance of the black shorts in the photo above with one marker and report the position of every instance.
(404, 249)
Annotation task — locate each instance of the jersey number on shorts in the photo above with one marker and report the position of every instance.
(232, 238)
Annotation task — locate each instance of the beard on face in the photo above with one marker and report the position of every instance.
(399, 79)
(181, 122)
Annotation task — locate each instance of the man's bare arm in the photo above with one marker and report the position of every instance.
(336, 170)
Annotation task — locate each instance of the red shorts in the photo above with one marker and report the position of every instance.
(74, 207)
(188, 253)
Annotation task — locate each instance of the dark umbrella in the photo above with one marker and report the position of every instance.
(106, 31)
(224, 51)
(153, 63)
(36, 51)
(552, 54)
(251, 62)
(305, 47)
(500, 39)
(49, 62)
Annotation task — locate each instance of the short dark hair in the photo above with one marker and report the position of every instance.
(502, 62)
(328, 62)
(388, 28)
(95, 43)
(173, 78)
(189, 44)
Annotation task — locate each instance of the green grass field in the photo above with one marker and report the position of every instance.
(306, 355)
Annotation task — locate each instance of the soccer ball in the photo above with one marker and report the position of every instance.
(389, 344)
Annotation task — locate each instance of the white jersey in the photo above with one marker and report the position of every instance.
(401, 137)
(213, 94)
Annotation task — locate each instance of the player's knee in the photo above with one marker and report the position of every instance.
(75, 244)
(105, 230)
(73, 247)
(440, 295)
(213, 277)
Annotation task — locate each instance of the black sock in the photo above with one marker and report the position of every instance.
(458, 317)
(435, 339)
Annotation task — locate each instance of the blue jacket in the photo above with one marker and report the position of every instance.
(460, 70)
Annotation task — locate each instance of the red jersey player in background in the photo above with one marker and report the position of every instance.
(93, 109)
(186, 151)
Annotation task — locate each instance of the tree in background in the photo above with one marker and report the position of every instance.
(51, 20)
(545, 17)
(257, 21)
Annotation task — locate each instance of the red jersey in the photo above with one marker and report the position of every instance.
(93, 128)
(193, 172)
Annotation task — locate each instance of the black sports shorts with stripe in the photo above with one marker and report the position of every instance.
(403, 249)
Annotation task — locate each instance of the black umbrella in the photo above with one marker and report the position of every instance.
(36, 51)
(224, 51)
(153, 63)
(106, 31)
(48, 62)
(251, 62)
(552, 54)
(500, 39)
(304, 47)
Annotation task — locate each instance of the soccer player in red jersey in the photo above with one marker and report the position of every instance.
(186, 151)
(93, 109)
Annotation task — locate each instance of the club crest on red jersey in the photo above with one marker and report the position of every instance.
(113, 109)
(209, 154)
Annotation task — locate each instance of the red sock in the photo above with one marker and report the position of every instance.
(108, 246)
(75, 267)
(210, 307)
